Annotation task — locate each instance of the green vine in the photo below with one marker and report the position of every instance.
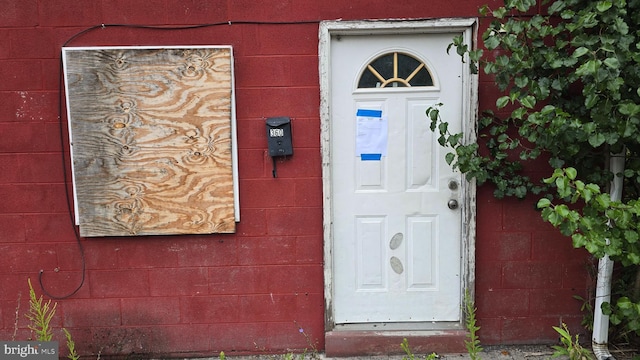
(569, 73)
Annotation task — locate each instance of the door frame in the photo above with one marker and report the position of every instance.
(328, 29)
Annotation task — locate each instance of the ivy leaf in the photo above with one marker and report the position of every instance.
(449, 158)
(491, 42)
(604, 5)
(528, 101)
(596, 140)
(588, 68)
(612, 62)
(590, 100)
(580, 51)
(521, 81)
(557, 6)
(543, 203)
(502, 102)
(631, 236)
(499, 13)
(629, 108)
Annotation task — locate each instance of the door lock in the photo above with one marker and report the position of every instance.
(452, 204)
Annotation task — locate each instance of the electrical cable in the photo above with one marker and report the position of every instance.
(62, 130)
(67, 196)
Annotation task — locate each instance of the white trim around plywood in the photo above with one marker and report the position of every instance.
(233, 124)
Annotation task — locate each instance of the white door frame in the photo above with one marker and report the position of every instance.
(468, 26)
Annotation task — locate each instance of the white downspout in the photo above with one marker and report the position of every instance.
(600, 338)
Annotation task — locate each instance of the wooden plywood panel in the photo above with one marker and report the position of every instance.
(151, 132)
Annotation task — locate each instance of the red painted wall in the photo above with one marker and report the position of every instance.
(254, 290)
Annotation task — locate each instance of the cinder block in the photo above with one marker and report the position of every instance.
(27, 258)
(25, 137)
(126, 12)
(294, 221)
(18, 13)
(235, 280)
(504, 303)
(60, 13)
(253, 222)
(40, 168)
(278, 71)
(267, 193)
(197, 12)
(296, 39)
(554, 302)
(32, 198)
(553, 246)
(532, 275)
(91, 312)
(488, 276)
(13, 228)
(267, 308)
(529, 329)
(20, 75)
(210, 309)
(207, 250)
(119, 283)
(282, 11)
(172, 341)
(521, 215)
(178, 282)
(161, 253)
(310, 249)
(150, 311)
(294, 278)
(254, 164)
(490, 331)
(33, 43)
(239, 338)
(267, 250)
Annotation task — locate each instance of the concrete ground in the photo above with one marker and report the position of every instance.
(504, 352)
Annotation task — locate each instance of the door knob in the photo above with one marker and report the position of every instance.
(452, 204)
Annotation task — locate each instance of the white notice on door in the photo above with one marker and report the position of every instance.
(371, 133)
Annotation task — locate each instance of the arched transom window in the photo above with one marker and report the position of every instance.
(395, 70)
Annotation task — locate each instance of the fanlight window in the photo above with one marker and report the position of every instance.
(395, 70)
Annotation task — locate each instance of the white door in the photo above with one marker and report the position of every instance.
(396, 227)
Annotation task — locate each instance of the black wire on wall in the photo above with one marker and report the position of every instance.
(61, 101)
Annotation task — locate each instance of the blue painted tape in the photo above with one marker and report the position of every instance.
(369, 113)
(370, 157)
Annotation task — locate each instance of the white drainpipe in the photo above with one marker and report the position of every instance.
(600, 338)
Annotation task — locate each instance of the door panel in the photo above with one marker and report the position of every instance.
(397, 246)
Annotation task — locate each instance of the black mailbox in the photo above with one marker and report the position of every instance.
(279, 136)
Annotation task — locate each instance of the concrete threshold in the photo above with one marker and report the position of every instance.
(360, 342)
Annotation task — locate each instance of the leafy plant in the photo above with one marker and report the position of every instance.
(570, 83)
(473, 341)
(71, 346)
(40, 315)
(409, 354)
(570, 347)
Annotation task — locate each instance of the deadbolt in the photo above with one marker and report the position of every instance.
(452, 204)
(453, 185)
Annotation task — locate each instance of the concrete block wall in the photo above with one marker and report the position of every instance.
(252, 291)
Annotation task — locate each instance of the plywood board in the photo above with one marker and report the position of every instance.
(152, 140)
